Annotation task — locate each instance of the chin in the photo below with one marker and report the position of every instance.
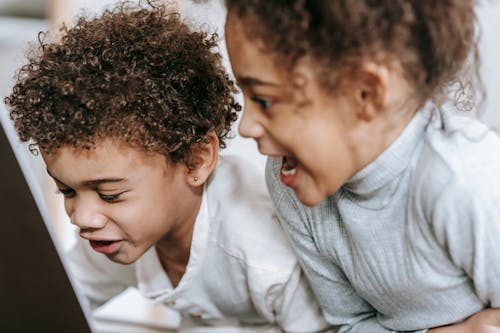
(313, 195)
(310, 199)
(121, 258)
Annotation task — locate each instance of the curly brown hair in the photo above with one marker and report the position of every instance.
(136, 73)
(435, 42)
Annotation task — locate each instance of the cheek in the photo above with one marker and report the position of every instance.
(139, 223)
(137, 211)
(326, 157)
(150, 207)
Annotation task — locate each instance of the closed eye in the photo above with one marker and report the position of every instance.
(66, 192)
(262, 102)
(110, 197)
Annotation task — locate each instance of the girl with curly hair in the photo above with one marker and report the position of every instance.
(389, 195)
(129, 111)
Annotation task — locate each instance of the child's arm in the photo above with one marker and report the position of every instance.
(486, 321)
(98, 277)
(341, 304)
(295, 306)
(466, 222)
(352, 314)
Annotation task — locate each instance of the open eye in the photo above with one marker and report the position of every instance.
(262, 102)
(66, 192)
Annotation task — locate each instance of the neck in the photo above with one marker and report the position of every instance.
(175, 247)
(387, 128)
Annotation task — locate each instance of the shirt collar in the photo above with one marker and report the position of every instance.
(394, 160)
(153, 281)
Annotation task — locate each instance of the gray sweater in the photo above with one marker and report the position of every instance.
(412, 241)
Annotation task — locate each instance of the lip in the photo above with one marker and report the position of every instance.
(105, 246)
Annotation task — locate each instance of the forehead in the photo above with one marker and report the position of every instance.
(249, 56)
(108, 153)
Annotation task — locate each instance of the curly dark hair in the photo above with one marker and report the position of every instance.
(136, 73)
(436, 42)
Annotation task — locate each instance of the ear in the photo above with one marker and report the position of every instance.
(370, 90)
(204, 158)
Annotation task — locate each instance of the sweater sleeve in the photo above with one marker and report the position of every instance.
(98, 278)
(295, 307)
(466, 222)
(341, 305)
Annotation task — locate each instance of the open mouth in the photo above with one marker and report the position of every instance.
(289, 166)
(105, 246)
(104, 243)
(288, 171)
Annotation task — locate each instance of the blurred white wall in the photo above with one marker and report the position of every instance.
(67, 10)
(489, 18)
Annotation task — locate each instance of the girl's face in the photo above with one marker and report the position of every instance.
(122, 199)
(317, 135)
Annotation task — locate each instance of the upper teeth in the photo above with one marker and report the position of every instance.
(288, 172)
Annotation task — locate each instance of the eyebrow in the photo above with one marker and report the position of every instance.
(92, 182)
(248, 81)
(95, 182)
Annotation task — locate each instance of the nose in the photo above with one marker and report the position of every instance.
(250, 125)
(84, 214)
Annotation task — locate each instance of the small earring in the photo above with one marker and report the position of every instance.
(195, 179)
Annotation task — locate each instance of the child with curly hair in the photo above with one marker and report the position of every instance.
(129, 111)
(390, 197)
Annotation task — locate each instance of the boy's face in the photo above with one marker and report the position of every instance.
(123, 200)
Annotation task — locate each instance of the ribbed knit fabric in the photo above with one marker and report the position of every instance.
(411, 241)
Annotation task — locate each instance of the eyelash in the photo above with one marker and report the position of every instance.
(69, 193)
(66, 192)
(109, 198)
(262, 102)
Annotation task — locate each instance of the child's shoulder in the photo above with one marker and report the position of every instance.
(460, 157)
(461, 146)
(242, 211)
(459, 138)
(239, 181)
